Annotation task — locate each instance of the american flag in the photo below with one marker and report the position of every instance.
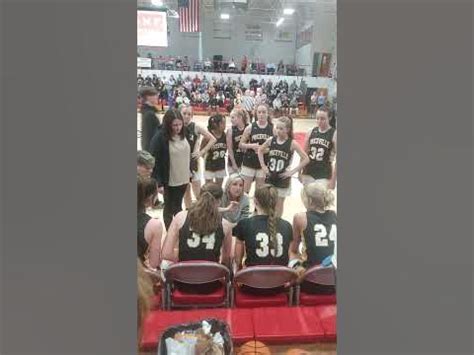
(188, 11)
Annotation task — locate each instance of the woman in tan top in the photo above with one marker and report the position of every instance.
(173, 159)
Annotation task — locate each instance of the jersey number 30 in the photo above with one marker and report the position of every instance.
(276, 165)
(321, 234)
(195, 240)
(264, 249)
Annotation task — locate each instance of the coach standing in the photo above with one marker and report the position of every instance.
(150, 121)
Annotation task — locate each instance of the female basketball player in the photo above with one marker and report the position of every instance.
(320, 145)
(149, 230)
(317, 227)
(194, 133)
(215, 158)
(235, 204)
(280, 149)
(253, 137)
(238, 118)
(200, 233)
(264, 237)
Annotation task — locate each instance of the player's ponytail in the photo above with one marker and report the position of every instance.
(204, 216)
(266, 196)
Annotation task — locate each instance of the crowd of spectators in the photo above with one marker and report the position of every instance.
(214, 93)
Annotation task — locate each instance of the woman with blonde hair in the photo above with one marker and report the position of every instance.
(235, 204)
(317, 227)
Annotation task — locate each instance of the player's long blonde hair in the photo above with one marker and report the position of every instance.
(317, 197)
(266, 197)
(204, 216)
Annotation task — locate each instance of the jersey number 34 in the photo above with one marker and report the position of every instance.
(195, 240)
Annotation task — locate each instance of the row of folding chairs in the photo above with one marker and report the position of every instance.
(272, 286)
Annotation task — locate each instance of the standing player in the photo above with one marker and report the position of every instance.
(215, 158)
(280, 149)
(193, 134)
(238, 118)
(254, 136)
(320, 145)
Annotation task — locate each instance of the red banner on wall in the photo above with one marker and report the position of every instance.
(152, 29)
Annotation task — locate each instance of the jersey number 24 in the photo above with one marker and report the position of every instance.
(321, 235)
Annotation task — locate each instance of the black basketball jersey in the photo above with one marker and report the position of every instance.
(142, 244)
(257, 135)
(320, 149)
(192, 137)
(215, 158)
(320, 235)
(279, 159)
(238, 153)
(253, 232)
(194, 246)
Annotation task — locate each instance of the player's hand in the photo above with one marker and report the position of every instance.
(233, 206)
(286, 174)
(161, 190)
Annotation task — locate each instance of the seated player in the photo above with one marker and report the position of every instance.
(199, 233)
(317, 229)
(149, 230)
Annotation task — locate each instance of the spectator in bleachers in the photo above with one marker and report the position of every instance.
(244, 64)
(248, 103)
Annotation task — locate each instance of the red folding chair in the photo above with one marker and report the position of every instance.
(317, 275)
(196, 273)
(264, 278)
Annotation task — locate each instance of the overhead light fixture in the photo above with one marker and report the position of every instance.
(288, 11)
(280, 21)
(157, 2)
(225, 16)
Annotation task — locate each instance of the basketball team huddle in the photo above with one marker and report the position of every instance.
(219, 225)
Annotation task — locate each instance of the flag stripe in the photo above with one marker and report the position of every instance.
(189, 17)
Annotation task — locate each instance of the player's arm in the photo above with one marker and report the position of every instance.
(208, 138)
(226, 256)
(170, 245)
(304, 160)
(238, 232)
(332, 180)
(245, 138)
(263, 148)
(230, 148)
(153, 234)
(298, 221)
